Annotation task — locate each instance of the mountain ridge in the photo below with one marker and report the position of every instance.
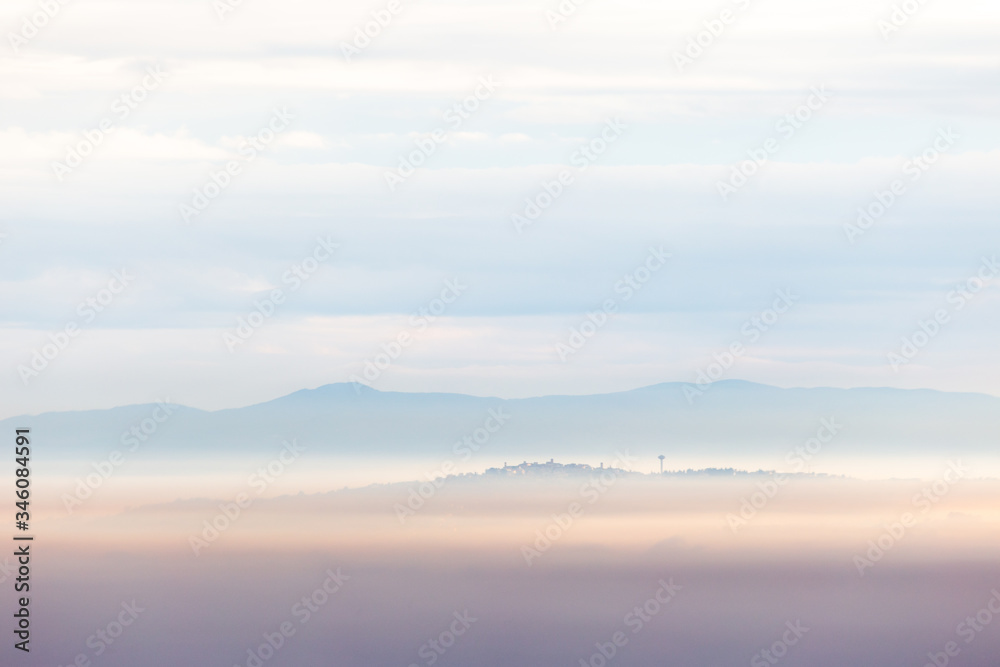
(366, 388)
(731, 419)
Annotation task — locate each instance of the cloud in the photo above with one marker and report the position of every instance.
(659, 184)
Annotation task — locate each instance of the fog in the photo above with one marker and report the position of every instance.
(546, 583)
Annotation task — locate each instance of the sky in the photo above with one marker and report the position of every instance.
(507, 199)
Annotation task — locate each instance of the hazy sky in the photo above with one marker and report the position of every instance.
(328, 128)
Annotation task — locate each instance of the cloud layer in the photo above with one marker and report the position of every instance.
(99, 157)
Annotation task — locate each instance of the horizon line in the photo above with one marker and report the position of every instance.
(732, 381)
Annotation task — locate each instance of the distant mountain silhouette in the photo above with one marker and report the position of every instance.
(732, 417)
